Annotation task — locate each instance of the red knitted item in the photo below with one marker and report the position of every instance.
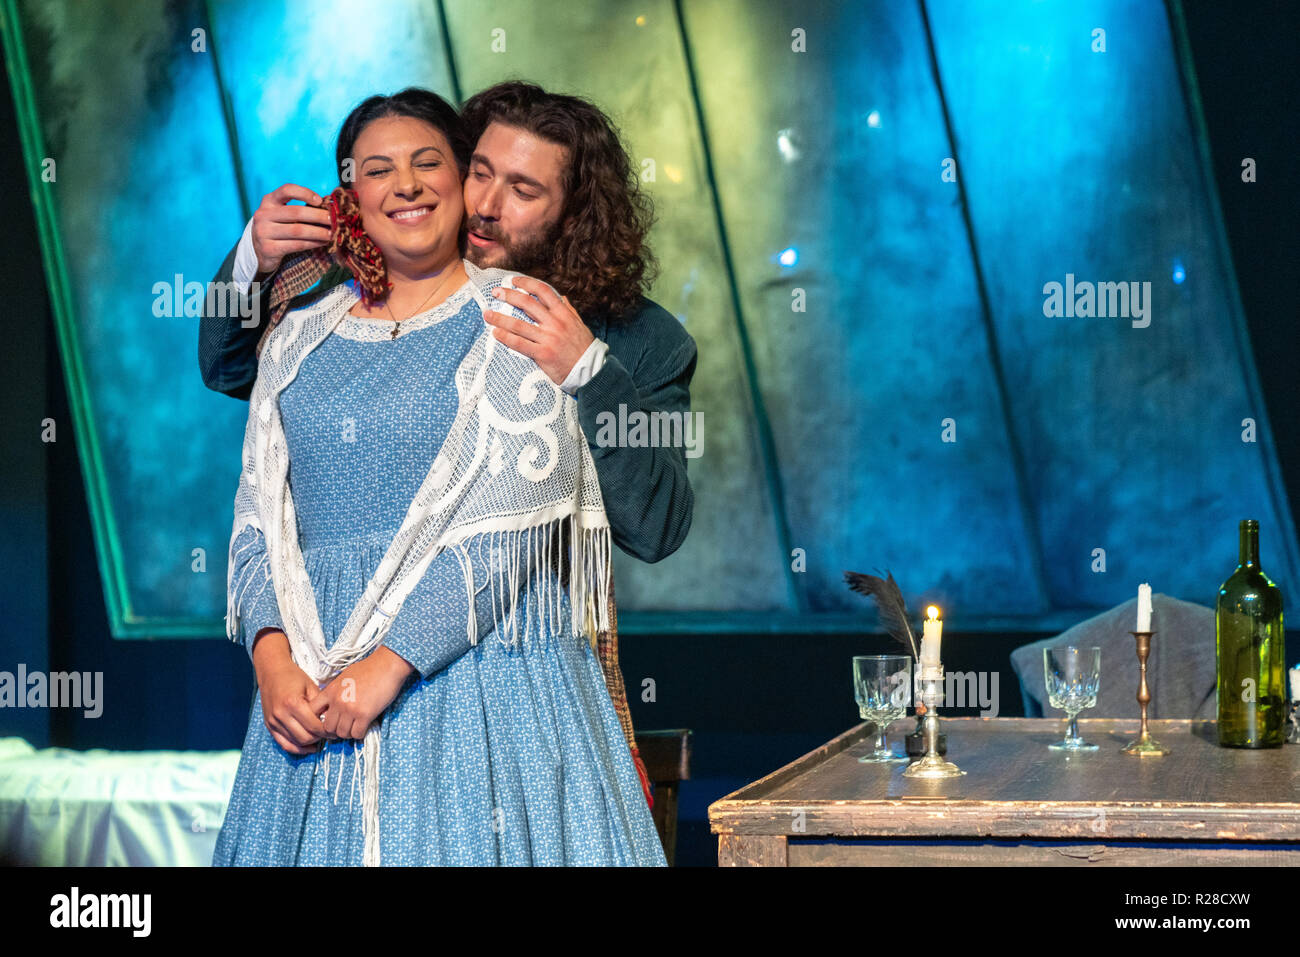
(644, 775)
(351, 248)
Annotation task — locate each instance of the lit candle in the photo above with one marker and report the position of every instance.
(1144, 608)
(930, 638)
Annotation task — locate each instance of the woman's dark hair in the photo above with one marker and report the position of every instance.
(414, 102)
(600, 257)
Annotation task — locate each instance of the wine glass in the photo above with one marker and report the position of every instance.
(882, 685)
(1072, 674)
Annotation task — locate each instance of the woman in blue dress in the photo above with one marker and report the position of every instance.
(488, 738)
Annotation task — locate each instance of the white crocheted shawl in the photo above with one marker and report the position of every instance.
(514, 472)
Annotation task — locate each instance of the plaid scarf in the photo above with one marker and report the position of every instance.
(352, 249)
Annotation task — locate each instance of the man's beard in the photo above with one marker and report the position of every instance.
(530, 255)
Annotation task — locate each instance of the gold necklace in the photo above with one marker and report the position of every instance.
(398, 322)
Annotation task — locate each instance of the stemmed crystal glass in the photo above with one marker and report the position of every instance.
(882, 685)
(1073, 675)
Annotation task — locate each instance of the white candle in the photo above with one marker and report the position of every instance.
(1144, 608)
(930, 637)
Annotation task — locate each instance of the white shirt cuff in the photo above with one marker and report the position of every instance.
(586, 367)
(245, 267)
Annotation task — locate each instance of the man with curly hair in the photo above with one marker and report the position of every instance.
(550, 193)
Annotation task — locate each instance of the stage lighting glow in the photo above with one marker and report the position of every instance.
(788, 256)
(873, 119)
(1179, 272)
(786, 141)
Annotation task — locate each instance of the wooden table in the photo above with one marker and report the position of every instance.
(1020, 803)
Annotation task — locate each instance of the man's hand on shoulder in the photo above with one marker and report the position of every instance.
(281, 229)
(558, 339)
(228, 343)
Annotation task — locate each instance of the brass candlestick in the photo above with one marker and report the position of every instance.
(1144, 744)
(929, 681)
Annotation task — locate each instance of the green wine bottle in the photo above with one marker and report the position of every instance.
(1249, 649)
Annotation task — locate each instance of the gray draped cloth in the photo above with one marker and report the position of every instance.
(1180, 670)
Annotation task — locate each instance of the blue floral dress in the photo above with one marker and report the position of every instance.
(495, 754)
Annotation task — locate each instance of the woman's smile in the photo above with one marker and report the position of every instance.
(408, 215)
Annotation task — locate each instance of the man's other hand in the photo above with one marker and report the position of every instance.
(280, 229)
(559, 338)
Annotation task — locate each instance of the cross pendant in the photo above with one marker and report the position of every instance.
(395, 325)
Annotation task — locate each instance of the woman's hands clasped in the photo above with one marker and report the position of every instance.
(286, 693)
(350, 702)
(299, 715)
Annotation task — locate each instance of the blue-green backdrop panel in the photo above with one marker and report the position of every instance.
(856, 287)
(132, 178)
(1083, 161)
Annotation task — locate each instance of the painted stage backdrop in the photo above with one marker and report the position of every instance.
(956, 270)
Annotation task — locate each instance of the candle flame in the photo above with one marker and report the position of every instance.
(932, 613)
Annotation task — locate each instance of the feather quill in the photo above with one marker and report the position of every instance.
(889, 603)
